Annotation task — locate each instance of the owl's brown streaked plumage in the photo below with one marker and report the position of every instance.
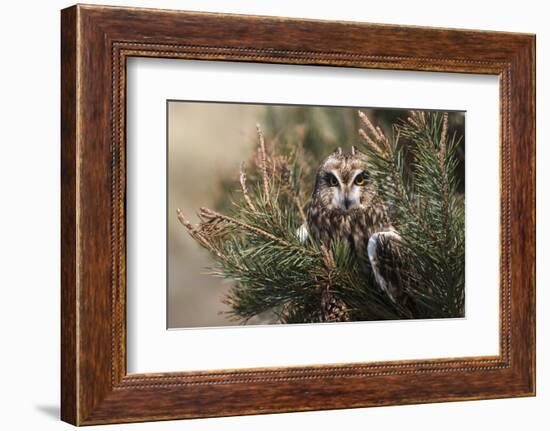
(343, 204)
(344, 207)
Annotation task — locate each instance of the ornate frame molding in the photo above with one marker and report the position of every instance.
(96, 41)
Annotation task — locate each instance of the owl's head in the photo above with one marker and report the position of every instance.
(342, 182)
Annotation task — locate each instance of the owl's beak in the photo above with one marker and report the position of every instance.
(347, 203)
(346, 198)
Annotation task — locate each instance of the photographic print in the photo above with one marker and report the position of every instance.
(285, 214)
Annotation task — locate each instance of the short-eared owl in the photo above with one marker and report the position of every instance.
(344, 207)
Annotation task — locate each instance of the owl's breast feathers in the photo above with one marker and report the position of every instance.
(353, 226)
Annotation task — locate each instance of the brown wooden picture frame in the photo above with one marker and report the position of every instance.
(96, 41)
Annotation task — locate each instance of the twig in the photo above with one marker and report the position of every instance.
(382, 136)
(380, 142)
(183, 220)
(418, 118)
(377, 135)
(300, 209)
(328, 258)
(263, 162)
(196, 233)
(443, 140)
(369, 141)
(397, 135)
(442, 147)
(244, 189)
(210, 214)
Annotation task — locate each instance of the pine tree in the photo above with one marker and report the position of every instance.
(255, 244)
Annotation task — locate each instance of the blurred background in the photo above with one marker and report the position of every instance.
(206, 144)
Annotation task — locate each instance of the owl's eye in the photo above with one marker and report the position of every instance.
(361, 179)
(332, 180)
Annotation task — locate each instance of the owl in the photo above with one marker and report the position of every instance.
(344, 206)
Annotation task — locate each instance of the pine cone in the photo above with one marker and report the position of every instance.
(333, 309)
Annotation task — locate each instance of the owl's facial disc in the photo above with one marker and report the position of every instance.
(347, 194)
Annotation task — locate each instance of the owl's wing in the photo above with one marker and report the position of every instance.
(374, 249)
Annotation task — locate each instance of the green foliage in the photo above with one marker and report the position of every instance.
(255, 243)
(418, 179)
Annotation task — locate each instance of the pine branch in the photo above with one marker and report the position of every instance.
(426, 210)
